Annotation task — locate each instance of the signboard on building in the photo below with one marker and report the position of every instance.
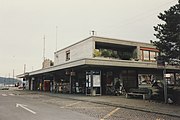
(93, 82)
(96, 81)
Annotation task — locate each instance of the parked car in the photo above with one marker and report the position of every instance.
(4, 88)
(20, 87)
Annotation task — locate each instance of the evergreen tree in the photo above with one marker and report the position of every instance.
(168, 34)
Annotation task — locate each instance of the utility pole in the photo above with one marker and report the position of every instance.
(13, 77)
(9, 78)
(56, 37)
(32, 68)
(4, 80)
(24, 68)
(44, 48)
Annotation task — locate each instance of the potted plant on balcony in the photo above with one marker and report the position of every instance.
(97, 53)
(106, 53)
(124, 55)
(114, 54)
(134, 56)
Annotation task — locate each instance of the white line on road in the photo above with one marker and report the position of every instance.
(69, 105)
(11, 94)
(23, 106)
(108, 115)
(92, 107)
(4, 95)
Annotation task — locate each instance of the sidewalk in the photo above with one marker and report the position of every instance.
(121, 101)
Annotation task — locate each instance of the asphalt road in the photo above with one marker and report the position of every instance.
(22, 105)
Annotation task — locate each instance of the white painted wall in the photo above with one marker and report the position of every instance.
(82, 49)
(85, 49)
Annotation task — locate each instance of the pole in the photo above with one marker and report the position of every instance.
(56, 37)
(70, 82)
(24, 68)
(44, 48)
(4, 80)
(91, 82)
(13, 76)
(165, 85)
(9, 78)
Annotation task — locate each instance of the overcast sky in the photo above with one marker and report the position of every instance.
(23, 23)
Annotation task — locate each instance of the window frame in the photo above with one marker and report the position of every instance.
(149, 55)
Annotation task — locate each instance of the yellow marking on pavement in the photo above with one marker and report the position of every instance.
(69, 105)
(110, 114)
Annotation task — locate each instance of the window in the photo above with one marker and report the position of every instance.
(146, 55)
(149, 54)
(67, 55)
(152, 56)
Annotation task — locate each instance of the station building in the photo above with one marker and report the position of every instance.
(95, 64)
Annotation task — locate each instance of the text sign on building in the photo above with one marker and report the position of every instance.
(96, 81)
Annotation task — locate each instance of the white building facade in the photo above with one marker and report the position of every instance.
(95, 64)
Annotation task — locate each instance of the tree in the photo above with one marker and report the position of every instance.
(168, 34)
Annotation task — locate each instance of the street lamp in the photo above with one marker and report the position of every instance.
(161, 64)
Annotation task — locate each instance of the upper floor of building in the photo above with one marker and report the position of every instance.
(107, 48)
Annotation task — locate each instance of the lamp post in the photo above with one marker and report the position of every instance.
(161, 64)
(165, 84)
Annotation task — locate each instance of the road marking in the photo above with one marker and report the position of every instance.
(23, 106)
(92, 107)
(69, 105)
(11, 94)
(111, 113)
(4, 95)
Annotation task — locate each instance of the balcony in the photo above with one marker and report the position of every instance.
(115, 51)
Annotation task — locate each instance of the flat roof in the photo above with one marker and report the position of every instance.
(107, 40)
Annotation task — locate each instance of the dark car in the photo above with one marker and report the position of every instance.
(4, 88)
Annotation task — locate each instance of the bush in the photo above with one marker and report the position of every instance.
(106, 53)
(125, 55)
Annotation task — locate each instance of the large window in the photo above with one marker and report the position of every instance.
(153, 55)
(148, 55)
